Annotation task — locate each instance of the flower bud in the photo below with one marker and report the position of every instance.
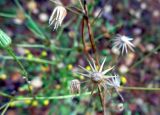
(5, 40)
(75, 86)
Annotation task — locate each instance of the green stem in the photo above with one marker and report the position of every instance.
(84, 94)
(43, 46)
(5, 109)
(53, 97)
(9, 50)
(31, 46)
(7, 15)
(3, 106)
(37, 60)
(81, 5)
(5, 95)
(18, 5)
(140, 88)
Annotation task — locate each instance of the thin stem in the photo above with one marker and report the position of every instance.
(5, 95)
(102, 99)
(81, 5)
(5, 109)
(36, 30)
(18, 5)
(90, 32)
(83, 41)
(55, 2)
(3, 106)
(8, 15)
(76, 11)
(9, 50)
(53, 97)
(31, 46)
(91, 37)
(45, 47)
(140, 88)
(37, 60)
(92, 23)
(84, 94)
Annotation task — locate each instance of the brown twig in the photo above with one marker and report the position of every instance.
(89, 28)
(83, 41)
(91, 37)
(102, 99)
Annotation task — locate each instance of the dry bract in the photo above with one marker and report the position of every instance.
(97, 76)
(75, 86)
(57, 16)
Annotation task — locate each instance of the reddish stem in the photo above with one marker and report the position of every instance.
(91, 37)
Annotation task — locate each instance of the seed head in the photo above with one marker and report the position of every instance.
(100, 77)
(57, 16)
(97, 76)
(122, 43)
(115, 82)
(75, 86)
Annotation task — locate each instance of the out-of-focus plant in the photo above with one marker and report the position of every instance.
(105, 80)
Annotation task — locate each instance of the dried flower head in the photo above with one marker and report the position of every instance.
(97, 76)
(122, 43)
(5, 40)
(115, 82)
(75, 86)
(57, 16)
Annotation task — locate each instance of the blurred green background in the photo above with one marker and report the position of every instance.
(50, 57)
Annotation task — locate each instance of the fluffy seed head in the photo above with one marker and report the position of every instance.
(123, 43)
